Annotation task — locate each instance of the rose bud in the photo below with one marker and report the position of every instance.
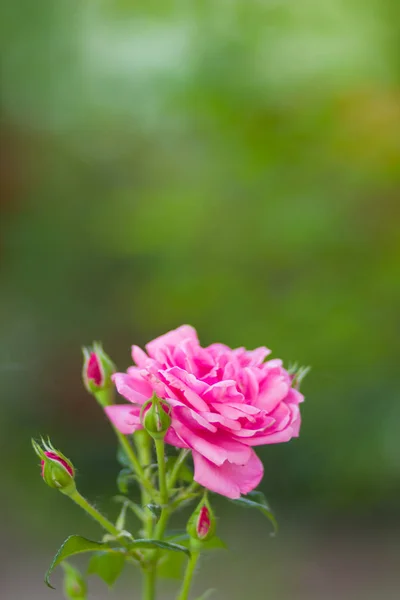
(201, 525)
(74, 584)
(97, 371)
(155, 417)
(57, 471)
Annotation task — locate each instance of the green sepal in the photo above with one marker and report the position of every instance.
(182, 536)
(298, 374)
(107, 565)
(257, 500)
(75, 587)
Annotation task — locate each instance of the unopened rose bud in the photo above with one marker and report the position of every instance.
(57, 471)
(155, 417)
(201, 525)
(97, 370)
(75, 587)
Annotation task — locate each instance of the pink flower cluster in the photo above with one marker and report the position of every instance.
(223, 403)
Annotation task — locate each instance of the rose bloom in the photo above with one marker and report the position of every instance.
(223, 403)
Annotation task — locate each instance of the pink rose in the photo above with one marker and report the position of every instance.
(223, 402)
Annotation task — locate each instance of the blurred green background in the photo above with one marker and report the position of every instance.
(234, 165)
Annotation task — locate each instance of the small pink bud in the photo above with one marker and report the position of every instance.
(57, 458)
(93, 370)
(97, 369)
(201, 525)
(56, 470)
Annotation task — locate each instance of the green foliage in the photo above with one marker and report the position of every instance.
(171, 566)
(124, 479)
(257, 500)
(75, 587)
(107, 565)
(184, 473)
(76, 544)
(155, 510)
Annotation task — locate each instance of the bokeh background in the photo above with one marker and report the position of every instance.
(235, 165)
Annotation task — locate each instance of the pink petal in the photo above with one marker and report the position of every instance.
(227, 479)
(138, 381)
(192, 419)
(173, 439)
(260, 427)
(223, 391)
(139, 356)
(217, 447)
(126, 386)
(179, 380)
(249, 384)
(124, 417)
(172, 338)
(272, 391)
(255, 358)
(273, 438)
(223, 421)
(294, 397)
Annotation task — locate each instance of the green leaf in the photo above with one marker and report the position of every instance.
(125, 477)
(75, 544)
(75, 587)
(155, 510)
(171, 566)
(122, 458)
(143, 543)
(184, 473)
(176, 535)
(257, 500)
(107, 565)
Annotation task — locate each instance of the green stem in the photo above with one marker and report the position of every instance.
(162, 474)
(175, 471)
(149, 589)
(103, 521)
(187, 581)
(95, 514)
(136, 466)
(106, 398)
(143, 445)
(151, 573)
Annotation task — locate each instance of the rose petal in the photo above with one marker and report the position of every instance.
(126, 386)
(172, 338)
(227, 479)
(125, 417)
